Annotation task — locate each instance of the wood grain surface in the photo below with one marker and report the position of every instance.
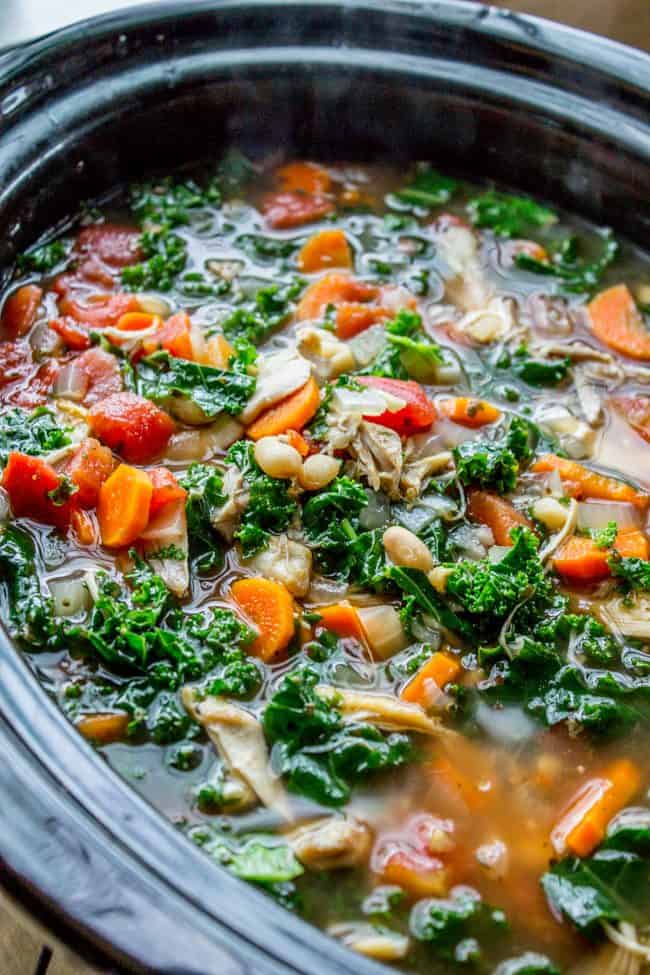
(624, 20)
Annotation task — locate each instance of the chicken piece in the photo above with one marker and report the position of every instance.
(377, 453)
(490, 323)
(417, 472)
(329, 355)
(381, 710)
(366, 939)
(331, 843)
(575, 436)
(239, 738)
(466, 284)
(226, 518)
(285, 561)
(170, 532)
(588, 397)
(278, 376)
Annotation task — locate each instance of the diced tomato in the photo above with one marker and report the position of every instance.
(20, 309)
(103, 371)
(334, 288)
(418, 413)
(100, 311)
(175, 336)
(283, 210)
(88, 468)
(73, 334)
(35, 388)
(112, 243)
(132, 426)
(165, 489)
(15, 362)
(353, 318)
(32, 484)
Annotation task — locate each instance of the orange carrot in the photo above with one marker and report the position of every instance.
(123, 508)
(298, 442)
(327, 248)
(135, 321)
(83, 526)
(104, 728)
(291, 413)
(218, 352)
(469, 412)
(20, 309)
(303, 177)
(175, 336)
(589, 484)
(440, 670)
(583, 824)
(342, 619)
(269, 606)
(417, 874)
(581, 560)
(166, 489)
(497, 513)
(617, 322)
(333, 289)
(455, 783)
(352, 318)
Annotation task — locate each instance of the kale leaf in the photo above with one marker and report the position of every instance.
(33, 433)
(31, 612)
(494, 463)
(453, 926)
(408, 352)
(162, 378)
(508, 216)
(539, 372)
(633, 573)
(270, 507)
(45, 258)
(577, 275)
(320, 755)
(268, 311)
(203, 483)
(428, 189)
(330, 522)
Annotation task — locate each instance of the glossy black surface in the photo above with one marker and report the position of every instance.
(544, 108)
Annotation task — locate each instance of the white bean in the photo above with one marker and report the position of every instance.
(406, 549)
(551, 513)
(438, 577)
(318, 470)
(277, 459)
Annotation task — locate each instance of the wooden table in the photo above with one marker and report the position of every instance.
(624, 20)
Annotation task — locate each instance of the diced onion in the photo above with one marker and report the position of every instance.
(325, 591)
(452, 434)
(71, 382)
(370, 402)
(497, 552)
(367, 345)
(153, 305)
(70, 596)
(45, 341)
(377, 511)
(554, 484)
(383, 629)
(425, 444)
(594, 515)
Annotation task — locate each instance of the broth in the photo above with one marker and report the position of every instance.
(428, 643)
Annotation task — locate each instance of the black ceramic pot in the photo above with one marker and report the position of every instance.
(545, 109)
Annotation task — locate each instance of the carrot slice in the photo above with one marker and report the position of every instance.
(328, 248)
(589, 484)
(218, 353)
(497, 513)
(291, 413)
(269, 607)
(333, 289)
(20, 309)
(417, 874)
(175, 335)
(298, 442)
(440, 670)
(581, 560)
(104, 728)
(469, 412)
(582, 826)
(303, 177)
(352, 318)
(135, 321)
(617, 322)
(83, 527)
(342, 619)
(165, 489)
(123, 507)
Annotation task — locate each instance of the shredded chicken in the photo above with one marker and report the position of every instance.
(278, 376)
(417, 470)
(575, 436)
(491, 323)
(550, 314)
(364, 938)
(466, 284)
(238, 737)
(329, 356)
(226, 518)
(382, 710)
(590, 401)
(377, 453)
(331, 843)
(284, 561)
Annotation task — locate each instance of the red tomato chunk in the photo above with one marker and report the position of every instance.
(418, 414)
(132, 426)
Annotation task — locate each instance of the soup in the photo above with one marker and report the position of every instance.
(324, 504)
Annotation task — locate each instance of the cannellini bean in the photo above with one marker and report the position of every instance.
(318, 470)
(277, 459)
(438, 578)
(551, 513)
(406, 549)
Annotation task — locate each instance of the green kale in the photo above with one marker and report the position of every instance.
(605, 537)
(267, 248)
(530, 963)
(576, 274)
(31, 433)
(203, 483)
(320, 755)
(454, 926)
(31, 613)
(428, 189)
(165, 258)
(268, 311)
(45, 258)
(494, 463)
(632, 573)
(270, 507)
(406, 356)
(422, 600)
(166, 722)
(168, 203)
(330, 522)
(508, 216)
(163, 378)
(612, 885)
(539, 372)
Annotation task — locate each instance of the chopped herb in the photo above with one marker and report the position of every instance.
(508, 216)
(270, 507)
(428, 189)
(36, 433)
(45, 258)
(163, 378)
(577, 275)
